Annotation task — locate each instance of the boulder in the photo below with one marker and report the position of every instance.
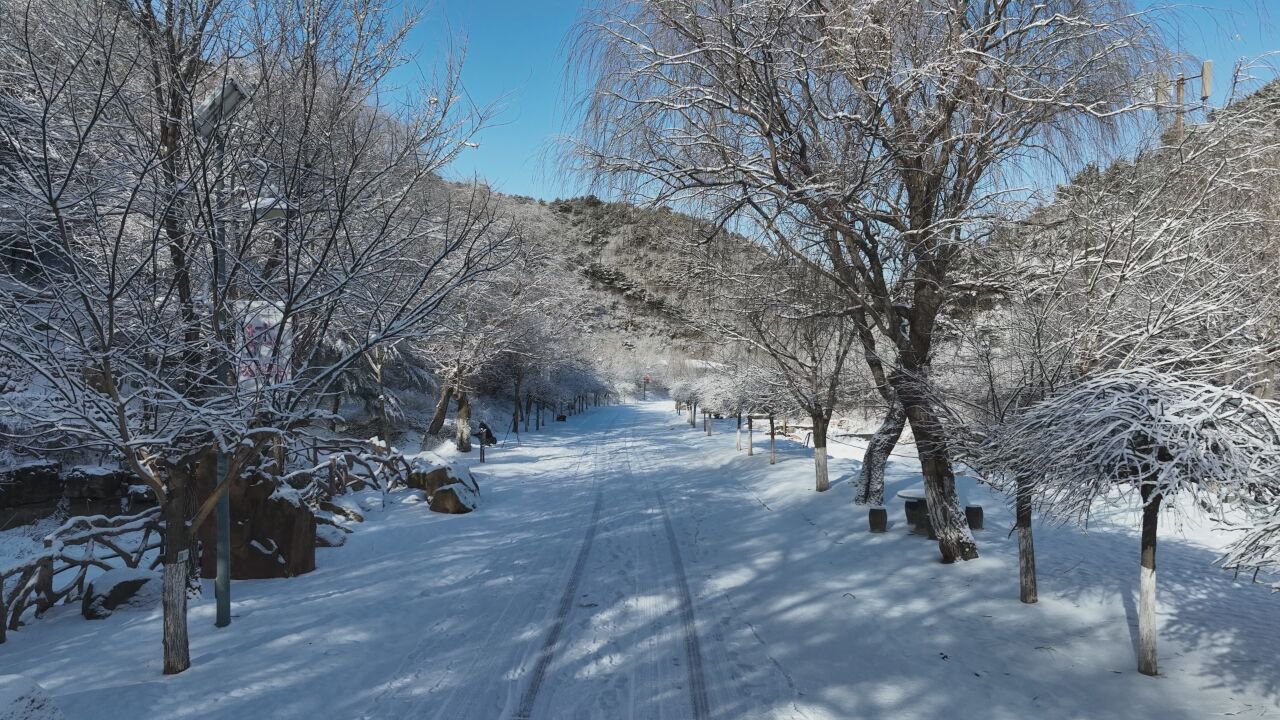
(273, 533)
(93, 482)
(30, 483)
(122, 587)
(430, 480)
(450, 487)
(328, 535)
(455, 499)
(21, 698)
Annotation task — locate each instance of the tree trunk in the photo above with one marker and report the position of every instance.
(528, 410)
(706, 422)
(871, 477)
(750, 443)
(515, 414)
(955, 541)
(177, 653)
(1147, 581)
(1026, 546)
(693, 413)
(463, 437)
(442, 409)
(820, 452)
(738, 442)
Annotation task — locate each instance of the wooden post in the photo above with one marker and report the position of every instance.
(1026, 545)
(773, 448)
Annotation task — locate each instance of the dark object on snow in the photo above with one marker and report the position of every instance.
(915, 510)
(973, 514)
(452, 489)
(94, 483)
(430, 480)
(561, 418)
(273, 533)
(457, 498)
(120, 587)
(30, 483)
(485, 434)
(878, 517)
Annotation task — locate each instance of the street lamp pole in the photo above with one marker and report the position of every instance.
(212, 112)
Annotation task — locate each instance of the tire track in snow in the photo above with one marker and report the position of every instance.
(548, 650)
(693, 652)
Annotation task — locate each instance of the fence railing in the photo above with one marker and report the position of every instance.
(60, 570)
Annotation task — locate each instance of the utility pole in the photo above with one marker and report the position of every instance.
(209, 117)
(1180, 95)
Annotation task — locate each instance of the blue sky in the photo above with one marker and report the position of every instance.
(515, 57)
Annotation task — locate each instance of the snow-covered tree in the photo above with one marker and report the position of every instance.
(1128, 432)
(200, 281)
(869, 137)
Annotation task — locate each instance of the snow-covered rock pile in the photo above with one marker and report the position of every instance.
(450, 486)
(120, 588)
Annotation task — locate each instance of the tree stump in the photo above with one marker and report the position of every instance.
(878, 518)
(973, 515)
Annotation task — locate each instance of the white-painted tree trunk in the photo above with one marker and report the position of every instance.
(820, 469)
(750, 439)
(1147, 583)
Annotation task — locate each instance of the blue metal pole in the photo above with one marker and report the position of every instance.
(222, 582)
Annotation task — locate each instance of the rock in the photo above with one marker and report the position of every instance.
(430, 480)
(273, 533)
(341, 509)
(450, 487)
(414, 497)
(23, 699)
(122, 587)
(30, 483)
(456, 499)
(94, 483)
(328, 535)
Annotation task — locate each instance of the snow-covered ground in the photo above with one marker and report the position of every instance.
(624, 565)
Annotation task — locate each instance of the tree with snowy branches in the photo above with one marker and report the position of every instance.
(1139, 432)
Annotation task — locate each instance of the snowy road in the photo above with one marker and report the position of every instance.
(624, 565)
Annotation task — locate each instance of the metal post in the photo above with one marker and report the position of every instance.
(222, 583)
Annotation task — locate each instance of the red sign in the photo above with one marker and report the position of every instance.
(647, 378)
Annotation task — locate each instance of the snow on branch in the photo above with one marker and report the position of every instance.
(1125, 429)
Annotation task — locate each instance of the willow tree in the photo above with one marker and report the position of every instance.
(873, 137)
